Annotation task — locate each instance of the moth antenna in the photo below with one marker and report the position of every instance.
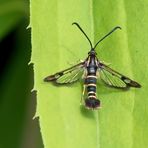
(74, 23)
(117, 27)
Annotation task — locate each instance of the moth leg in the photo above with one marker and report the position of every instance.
(84, 87)
(98, 75)
(73, 63)
(83, 94)
(84, 75)
(70, 63)
(106, 63)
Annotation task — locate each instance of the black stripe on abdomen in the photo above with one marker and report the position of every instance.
(91, 88)
(90, 82)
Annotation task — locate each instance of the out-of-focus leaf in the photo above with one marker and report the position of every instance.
(15, 93)
(11, 12)
(122, 120)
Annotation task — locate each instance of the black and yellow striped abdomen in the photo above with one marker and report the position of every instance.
(90, 82)
(91, 102)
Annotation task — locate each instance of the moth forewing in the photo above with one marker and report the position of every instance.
(116, 79)
(68, 75)
(130, 82)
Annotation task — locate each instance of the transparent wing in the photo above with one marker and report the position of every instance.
(68, 75)
(114, 78)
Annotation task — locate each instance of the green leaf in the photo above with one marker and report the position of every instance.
(122, 120)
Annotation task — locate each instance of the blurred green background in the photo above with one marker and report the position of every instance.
(17, 104)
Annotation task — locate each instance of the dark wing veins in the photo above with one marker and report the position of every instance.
(114, 78)
(68, 75)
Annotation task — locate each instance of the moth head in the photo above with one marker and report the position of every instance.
(92, 52)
